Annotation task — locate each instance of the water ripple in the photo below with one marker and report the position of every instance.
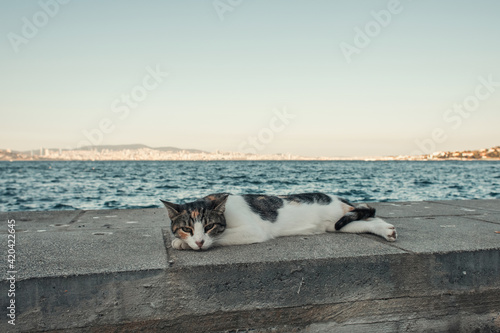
(137, 184)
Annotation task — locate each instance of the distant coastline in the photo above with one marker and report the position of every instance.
(139, 152)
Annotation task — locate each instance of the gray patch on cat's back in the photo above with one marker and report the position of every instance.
(265, 206)
(308, 198)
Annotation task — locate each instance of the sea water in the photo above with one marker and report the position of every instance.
(47, 185)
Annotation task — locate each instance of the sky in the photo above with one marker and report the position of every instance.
(312, 78)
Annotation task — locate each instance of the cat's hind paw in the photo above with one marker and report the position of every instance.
(179, 244)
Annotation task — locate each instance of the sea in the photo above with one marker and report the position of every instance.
(73, 185)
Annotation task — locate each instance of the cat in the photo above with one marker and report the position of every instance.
(226, 219)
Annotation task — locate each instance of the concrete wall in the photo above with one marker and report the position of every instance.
(111, 271)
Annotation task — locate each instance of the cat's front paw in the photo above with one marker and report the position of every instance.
(385, 230)
(179, 244)
(390, 233)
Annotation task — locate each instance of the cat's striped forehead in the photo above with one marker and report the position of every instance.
(196, 214)
(200, 209)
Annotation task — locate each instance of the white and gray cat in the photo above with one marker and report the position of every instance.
(226, 219)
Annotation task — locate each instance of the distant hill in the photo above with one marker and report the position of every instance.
(120, 147)
(138, 146)
(113, 147)
(174, 149)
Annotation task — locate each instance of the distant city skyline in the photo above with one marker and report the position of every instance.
(139, 152)
(325, 78)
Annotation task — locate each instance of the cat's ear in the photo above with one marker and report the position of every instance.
(220, 204)
(173, 209)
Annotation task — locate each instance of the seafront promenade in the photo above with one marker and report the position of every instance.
(114, 271)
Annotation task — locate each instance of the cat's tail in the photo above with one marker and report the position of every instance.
(360, 212)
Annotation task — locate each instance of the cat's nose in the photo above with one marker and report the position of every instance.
(200, 243)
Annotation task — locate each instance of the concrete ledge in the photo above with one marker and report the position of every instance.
(83, 271)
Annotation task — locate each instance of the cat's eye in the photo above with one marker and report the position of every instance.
(209, 227)
(186, 229)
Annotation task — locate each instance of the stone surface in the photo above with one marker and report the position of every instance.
(34, 221)
(115, 271)
(444, 234)
(423, 209)
(492, 205)
(488, 217)
(317, 247)
(76, 243)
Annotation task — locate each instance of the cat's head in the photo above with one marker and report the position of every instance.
(198, 223)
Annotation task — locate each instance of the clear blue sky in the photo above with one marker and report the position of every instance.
(232, 65)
